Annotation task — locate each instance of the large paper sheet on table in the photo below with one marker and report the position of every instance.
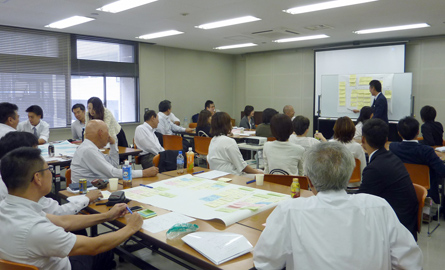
(206, 199)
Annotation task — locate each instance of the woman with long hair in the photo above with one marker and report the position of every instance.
(203, 125)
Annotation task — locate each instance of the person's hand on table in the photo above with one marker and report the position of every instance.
(189, 130)
(177, 123)
(149, 172)
(258, 171)
(93, 195)
(118, 210)
(135, 221)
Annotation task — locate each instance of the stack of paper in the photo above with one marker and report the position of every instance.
(218, 247)
(440, 149)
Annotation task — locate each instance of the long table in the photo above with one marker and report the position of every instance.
(251, 227)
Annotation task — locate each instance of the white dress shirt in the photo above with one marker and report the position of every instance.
(224, 155)
(358, 131)
(42, 129)
(3, 190)
(173, 118)
(306, 142)
(334, 230)
(90, 163)
(284, 156)
(166, 127)
(5, 129)
(357, 151)
(146, 140)
(29, 237)
(76, 130)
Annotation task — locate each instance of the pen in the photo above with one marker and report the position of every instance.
(198, 172)
(129, 210)
(251, 181)
(145, 185)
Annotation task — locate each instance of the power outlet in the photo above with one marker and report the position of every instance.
(146, 110)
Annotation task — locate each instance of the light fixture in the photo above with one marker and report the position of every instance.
(235, 46)
(122, 5)
(392, 28)
(300, 38)
(233, 21)
(160, 34)
(325, 5)
(68, 22)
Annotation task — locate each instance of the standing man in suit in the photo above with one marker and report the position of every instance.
(380, 105)
(386, 176)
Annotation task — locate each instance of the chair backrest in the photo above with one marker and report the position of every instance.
(286, 180)
(7, 265)
(156, 160)
(193, 125)
(356, 174)
(172, 142)
(419, 174)
(271, 139)
(421, 193)
(202, 145)
(68, 177)
(232, 121)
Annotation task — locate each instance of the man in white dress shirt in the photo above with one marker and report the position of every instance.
(174, 119)
(77, 126)
(35, 124)
(32, 237)
(90, 163)
(9, 118)
(146, 140)
(334, 230)
(165, 126)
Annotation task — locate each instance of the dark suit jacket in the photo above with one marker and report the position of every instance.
(432, 133)
(380, 106)
(386, 177)
(415, 153)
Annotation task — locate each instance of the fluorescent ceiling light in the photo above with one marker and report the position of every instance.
(392, 28)
(325, 5)
(122, 5)
(161, 34)
(235, 46)
(234, 21)
(75, 20)
(300, 38)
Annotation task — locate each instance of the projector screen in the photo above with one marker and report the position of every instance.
(369, 60)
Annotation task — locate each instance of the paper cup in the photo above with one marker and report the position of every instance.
(113, 183)
(259, 179)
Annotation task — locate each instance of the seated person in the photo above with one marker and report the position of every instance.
(344, 130)
(9, 118)
(146, 139)
(248, 121)
(210, 106)
(77, 126)
(224, 154)
(289, 111)
(365, 114)
(301, 128)
(432, 131)
(282, 156)
(90, 163)
(386, 176)
(174, 119)
(35, 124)
(334, 230)
(203, 126)
(32, 237)
(165, 126)
(410, 151)
(14, 140)
(263, 129)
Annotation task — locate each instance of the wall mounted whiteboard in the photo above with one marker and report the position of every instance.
(338, 94)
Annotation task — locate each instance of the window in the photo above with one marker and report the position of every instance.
(104, 51)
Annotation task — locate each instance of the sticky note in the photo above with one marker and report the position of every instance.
(342, 84)
(226, 210)
(388, 93)
(342, 104)
(365, 80)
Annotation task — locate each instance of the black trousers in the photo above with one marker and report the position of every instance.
(102, 261)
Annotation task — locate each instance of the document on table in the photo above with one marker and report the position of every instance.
(212, 174)
(165, 222)
(218, 247)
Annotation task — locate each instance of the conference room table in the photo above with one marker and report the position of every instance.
(251, 227)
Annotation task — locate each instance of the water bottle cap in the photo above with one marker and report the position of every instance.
(190, 149)
(180, 152)
(127, 162)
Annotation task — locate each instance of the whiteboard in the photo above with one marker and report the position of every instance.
(399, 105)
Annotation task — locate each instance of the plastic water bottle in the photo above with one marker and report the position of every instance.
(83, 133)
(190, 160)
(186, 122)
(126, 175)
(180, 163)
(295, 188)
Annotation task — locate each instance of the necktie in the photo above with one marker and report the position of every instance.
(35, 131)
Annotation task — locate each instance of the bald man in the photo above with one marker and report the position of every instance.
(289, 111)
(90, 163)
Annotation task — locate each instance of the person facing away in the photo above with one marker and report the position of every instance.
(35, 124)
(301, 128)
(248, 121)
(203, 125)
(432, 131)
(386, 175)
(78, 110)
(281, 156)
(9, 118)
(366, 113)
(333, 229)
(32, 237)
(263, 129)
(165, 126)
(411, 151)
(90, 163)
(289, 111)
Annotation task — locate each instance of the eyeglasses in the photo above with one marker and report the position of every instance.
(50, 168)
